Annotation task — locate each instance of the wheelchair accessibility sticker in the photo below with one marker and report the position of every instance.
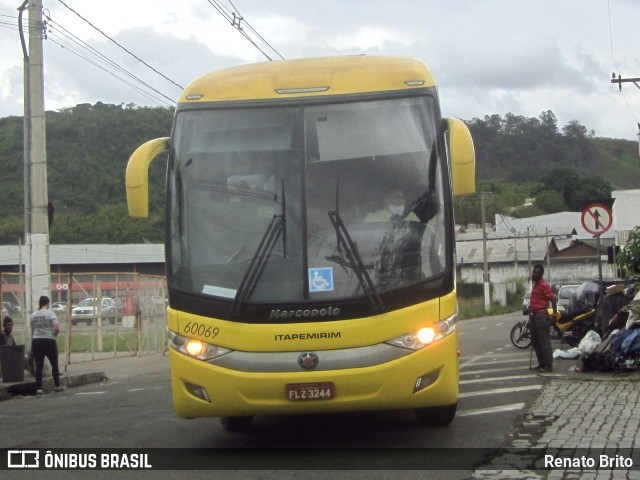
(321, 279)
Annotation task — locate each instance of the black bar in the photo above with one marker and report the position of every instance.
(468, 459)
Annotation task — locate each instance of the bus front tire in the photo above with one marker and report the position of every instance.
(236, 424)
(436, 416)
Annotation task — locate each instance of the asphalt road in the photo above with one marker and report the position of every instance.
(495, 386)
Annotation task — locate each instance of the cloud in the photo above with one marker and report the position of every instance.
(12, 90)
(72, 80)
(495, 56)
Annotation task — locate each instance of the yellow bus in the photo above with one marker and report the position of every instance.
(310, 248)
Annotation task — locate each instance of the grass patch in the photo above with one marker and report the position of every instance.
(122, 341)
(474, 308)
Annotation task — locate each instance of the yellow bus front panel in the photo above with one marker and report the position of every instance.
(390, 385)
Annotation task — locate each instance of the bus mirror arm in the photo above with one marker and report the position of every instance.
(137, 176)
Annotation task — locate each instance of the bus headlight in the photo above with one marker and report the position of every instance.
(425, 336)
(195, 348)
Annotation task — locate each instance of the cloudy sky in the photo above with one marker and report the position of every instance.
(488, 56)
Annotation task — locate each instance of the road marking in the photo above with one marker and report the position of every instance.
(512, 353)
(476, 361)
(136, 389)
(89, 393)
(513, 360)
(497, 391)
(498, 379)
(486, 370)
(483, 411)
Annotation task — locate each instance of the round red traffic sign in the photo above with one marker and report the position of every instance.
(597, 218)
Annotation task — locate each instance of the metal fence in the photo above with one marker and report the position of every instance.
(102, 315)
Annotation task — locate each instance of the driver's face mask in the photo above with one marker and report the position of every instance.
(396, 209)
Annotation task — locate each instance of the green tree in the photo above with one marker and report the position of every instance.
(629, 256)
(576, 190)
(550, 202)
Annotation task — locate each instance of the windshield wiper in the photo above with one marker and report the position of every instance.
(259, 259)
(355, 261)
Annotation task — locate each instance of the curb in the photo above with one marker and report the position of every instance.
(10, 390)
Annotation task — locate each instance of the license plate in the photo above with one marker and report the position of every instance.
(300, 392)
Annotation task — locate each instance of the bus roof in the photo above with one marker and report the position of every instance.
(281, 79)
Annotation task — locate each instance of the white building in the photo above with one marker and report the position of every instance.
(626, 213)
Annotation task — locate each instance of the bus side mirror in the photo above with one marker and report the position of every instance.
(137, 177)
(463, 157)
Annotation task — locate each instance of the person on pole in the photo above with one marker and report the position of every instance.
(541, 295)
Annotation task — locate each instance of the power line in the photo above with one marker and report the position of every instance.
(254, 30)
(52, 38)
(236, 20)
(613, 67)
(122, 47)
(70, 42)
(70, 37)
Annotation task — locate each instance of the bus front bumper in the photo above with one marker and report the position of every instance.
(424, 378)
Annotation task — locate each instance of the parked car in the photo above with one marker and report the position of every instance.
(11, 307)
(59, 307)
(525, 303)
(88, 310)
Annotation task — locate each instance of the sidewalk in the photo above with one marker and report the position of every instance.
(91, 371)
(577, 418)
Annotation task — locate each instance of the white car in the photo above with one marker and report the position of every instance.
(59, 307)
(88, 310)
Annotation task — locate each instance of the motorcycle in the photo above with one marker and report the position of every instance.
(569, 325)
(580, 316)
(521, 333)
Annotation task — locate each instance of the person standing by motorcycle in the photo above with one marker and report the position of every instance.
(541, 295)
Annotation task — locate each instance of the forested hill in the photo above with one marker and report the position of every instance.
(517, 149)
(88, 147)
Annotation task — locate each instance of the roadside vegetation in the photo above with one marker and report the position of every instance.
(473, 306)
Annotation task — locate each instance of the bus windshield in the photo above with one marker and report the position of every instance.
(306, 203)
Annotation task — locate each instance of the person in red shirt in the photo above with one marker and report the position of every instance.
(541, 295)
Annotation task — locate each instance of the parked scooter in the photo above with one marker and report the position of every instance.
(571, 325)
(521, 334)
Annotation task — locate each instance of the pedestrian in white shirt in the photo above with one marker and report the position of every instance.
(44, 330)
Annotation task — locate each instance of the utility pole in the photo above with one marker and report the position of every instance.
(26, 136)
(546, 236)
(619, 80)
(529, 254)
(36, 218)
(485, 271)
(515, 252)
(636, 81)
